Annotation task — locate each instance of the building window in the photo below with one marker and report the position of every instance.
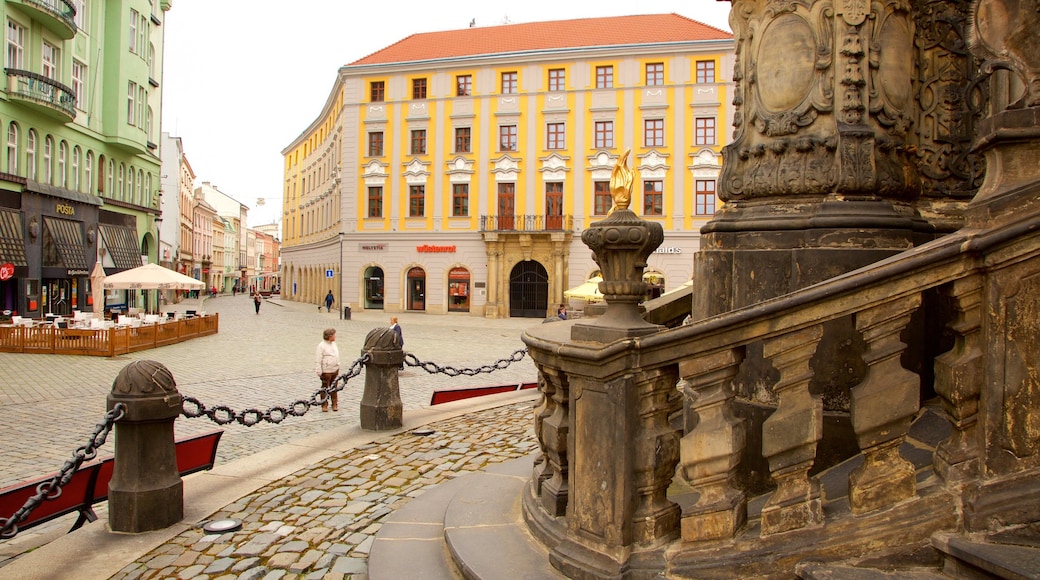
(506, 206)
(419, 142)
(48, 158)
(557, 79)
(376, 91)
(63, 159)
(78, 74)
(50, 58)
(88, 172)
(704, 131)
(654, 74)
(705, 72)
(507, 140)
(508, 83)
(134, 17)
(601, 200)
(111, 176)
(131, 103)
(463, 139)
(30, 155)
(81, 14)
(15, 45)
(375, 202)
(419, 88)
(375, 144)
(460, 200)
(12, 149)
(554, 205)
(142, 34)
(555, 136)
(74, 182)
(653, 133)
(130, 186)
(705, 193)
(653, 197)
(416, 200)
(120, 190)
(463, 85)
(140, 188)
(604, 135)
(604, 77)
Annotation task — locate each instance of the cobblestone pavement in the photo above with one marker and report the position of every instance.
(50, 404)
(320, 522)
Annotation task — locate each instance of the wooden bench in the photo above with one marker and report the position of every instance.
(89, 484)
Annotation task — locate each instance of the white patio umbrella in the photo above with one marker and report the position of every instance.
(97, 289)
(588, 291)
(151, 277)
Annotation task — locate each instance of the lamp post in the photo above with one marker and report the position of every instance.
(158, 255)
(340, 298)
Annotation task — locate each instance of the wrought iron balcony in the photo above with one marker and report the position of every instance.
(44, 94)
(525, 223)
(57, 16)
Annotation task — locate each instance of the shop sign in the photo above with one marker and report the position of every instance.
(7, 271)
(74, 273)
(65, 209)
(372, 247)
(428, 249)
(668, 250)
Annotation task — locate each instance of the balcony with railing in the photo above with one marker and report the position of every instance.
(57, 16)
(525, 223)
(41, 93)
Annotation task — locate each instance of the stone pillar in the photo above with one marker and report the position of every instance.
(882, 407)
(553, 435)
(381, 408)
(145, 492)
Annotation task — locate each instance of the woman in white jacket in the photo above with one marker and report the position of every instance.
(326, 364)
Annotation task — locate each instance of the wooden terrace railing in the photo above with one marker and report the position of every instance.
(48, 339)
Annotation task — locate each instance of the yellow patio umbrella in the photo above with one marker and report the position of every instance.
(587, 291)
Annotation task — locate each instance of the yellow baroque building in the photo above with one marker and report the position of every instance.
(453, 172)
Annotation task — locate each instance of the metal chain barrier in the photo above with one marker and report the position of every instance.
(222, 414)
(433, 368)
(51, 489)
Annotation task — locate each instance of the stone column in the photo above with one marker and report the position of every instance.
(146, 492)
(554, 433)
(381, 407)
(882, 407)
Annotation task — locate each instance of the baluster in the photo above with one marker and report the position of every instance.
(791, 433)
(958, 381)
(882, 407)
(711, 449)
(656, 454)
(542, 469)
(555, 428)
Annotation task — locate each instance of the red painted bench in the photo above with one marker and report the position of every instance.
(448, 396)
(89, 484)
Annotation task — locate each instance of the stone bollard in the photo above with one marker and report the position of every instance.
(146, 492)
(381, 404)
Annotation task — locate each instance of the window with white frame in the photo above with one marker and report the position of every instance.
(88, 172)
(129, 185)
(74, 176)
(78, 74)
(30, 154)
(12, 149)
(63, 171)
(15, 45)
(111, 178)
(134, 18)
(51, 59)
(81, 14)
(142, 35)
(140, 188)
(48, 158)
(131, 103)
(120, 190)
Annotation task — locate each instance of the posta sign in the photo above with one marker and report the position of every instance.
(7, 271)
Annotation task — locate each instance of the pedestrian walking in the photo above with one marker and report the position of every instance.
(394, 326)
(328, 301)
(326, 364)
(256, 301)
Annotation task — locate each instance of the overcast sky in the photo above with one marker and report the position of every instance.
(241, 80)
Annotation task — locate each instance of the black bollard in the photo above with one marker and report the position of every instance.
(146, 492)
(381, 404)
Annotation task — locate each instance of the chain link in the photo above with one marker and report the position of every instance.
(51, 489)
(433, 368)
(192, 408)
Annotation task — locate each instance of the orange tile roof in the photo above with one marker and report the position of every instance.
(556, 34)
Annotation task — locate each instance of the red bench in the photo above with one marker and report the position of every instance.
(89, 484)
(448, 396)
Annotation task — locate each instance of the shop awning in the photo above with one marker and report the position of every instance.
(67, 237)
(12, 242)
(121, 243)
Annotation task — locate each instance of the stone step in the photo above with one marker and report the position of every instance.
(470, 527)
(824, 571)
(965, 558)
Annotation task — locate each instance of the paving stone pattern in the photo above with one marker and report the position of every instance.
(320, 521)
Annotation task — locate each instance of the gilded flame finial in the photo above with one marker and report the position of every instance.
(621, 183)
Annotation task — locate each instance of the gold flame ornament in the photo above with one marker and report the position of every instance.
(621, 183)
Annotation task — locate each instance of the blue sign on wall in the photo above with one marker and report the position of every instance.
(328, 273)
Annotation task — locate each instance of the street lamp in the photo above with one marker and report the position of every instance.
(342, 307)
(158, 257)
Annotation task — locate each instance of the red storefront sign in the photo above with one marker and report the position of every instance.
(7, 271)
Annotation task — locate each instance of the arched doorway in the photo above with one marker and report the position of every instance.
(528, 290)
(416, 289)
(374, 287)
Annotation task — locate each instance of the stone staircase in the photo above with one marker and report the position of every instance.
(472, 527)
